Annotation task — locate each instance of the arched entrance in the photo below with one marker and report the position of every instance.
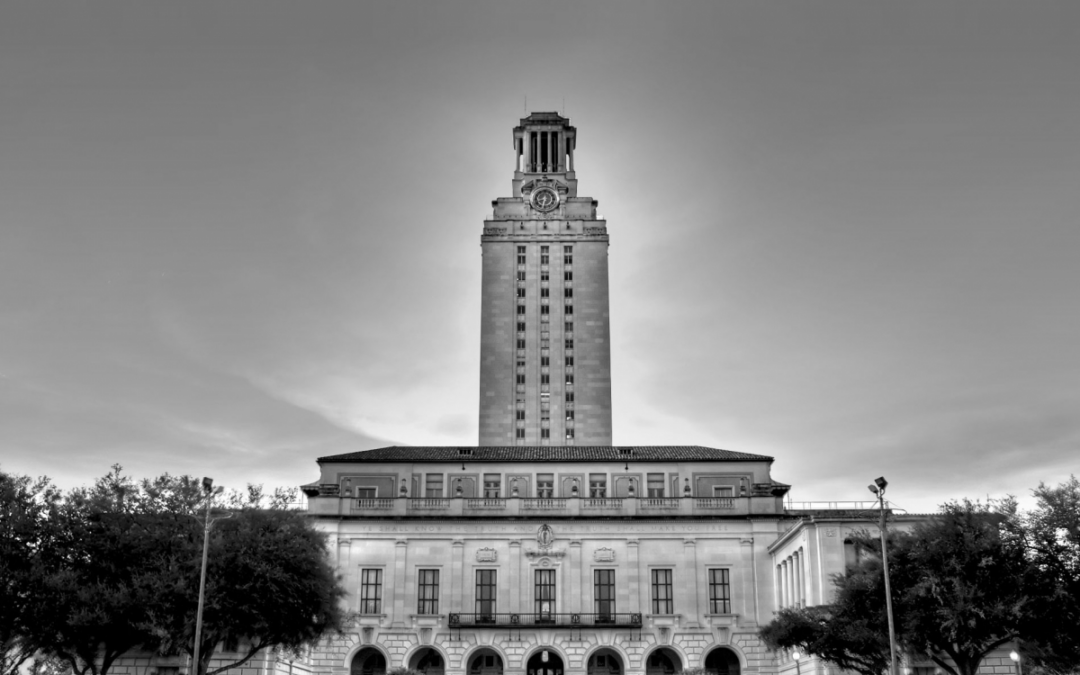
(368, 661)
(427, 661)
(722, 661)
(663, 662)
(605, 662)
(544, 662)
(485, 662)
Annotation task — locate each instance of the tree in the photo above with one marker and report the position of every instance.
(269, 585)
(1052, 534)
(962, 586)
(122, 573)
(829, 632)
(99, 576)
(24, 531)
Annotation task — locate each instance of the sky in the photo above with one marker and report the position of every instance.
(235, 237)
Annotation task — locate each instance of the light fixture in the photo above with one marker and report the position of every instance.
(878, 488)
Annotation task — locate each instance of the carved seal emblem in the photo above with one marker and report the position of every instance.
(545, 536)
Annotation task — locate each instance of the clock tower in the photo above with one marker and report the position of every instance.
(545, 350)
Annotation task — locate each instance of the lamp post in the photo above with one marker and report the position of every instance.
(796, 655)
(1015, 656)
(878, 488)
(208, 488)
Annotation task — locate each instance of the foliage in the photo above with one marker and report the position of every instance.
(121, 572)
(834, 633)
(24, 509)
(962, 586)
(1052, 534)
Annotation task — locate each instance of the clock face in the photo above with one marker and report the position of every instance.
(545, 199)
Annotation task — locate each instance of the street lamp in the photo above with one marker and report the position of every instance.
(796, 655)
(878, 488)
(208, 488)
(1015, 656)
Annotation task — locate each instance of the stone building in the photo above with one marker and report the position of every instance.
(546, 550)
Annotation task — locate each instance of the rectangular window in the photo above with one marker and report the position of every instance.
(569, 344)
(570, 379)
(568, 249)
(521, 275)
(545, 483)
(428, 598)
(569, 360)
(544, 292)
(485, 596)
(568, 292)
(521, 260)
(545, 360)
(597, 484)
(569, 414)
(569, 309)
(521, 292)
(545, 309)
(521, 343)
(544, 249)
(604, 595)
(569, 397)
(520, 433)
(723, 491)
(569, 327)
(569, 433)
(492, 482)
(719, 592)
(568, 276)
(520, 250)
(543, 276)
(521, 378)
(661, 592)
(434, 487)
(545, 433)
(520, 414)
(544, 259)
(568, 260)
(521, 309)
(545, 595)
(545, 378)
(367, 492)
(521, 326)
(370, 591)
(655, 485)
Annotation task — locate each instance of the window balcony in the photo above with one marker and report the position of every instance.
(544, 619)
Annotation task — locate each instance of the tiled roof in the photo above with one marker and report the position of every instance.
(546, 453)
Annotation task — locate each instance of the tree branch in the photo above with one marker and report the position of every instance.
(255, 649)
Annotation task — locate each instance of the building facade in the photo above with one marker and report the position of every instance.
(546, 550)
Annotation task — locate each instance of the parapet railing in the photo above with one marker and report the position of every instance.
(441, 507)
(479, 620)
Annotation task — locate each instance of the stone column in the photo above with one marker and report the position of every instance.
(689, 601)
(634, 573)
(526, 139)
(785, 585)
(799, 579)
(562, 151)
(401, 584)
(577, 572)
(513, 604)
(457, 569)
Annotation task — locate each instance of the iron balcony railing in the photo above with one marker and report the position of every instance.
(461, 620)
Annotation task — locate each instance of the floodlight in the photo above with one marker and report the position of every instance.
(881, 482)
(872, 488)
(207, 483)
